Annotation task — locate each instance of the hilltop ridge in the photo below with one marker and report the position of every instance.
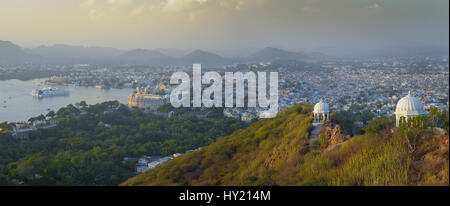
(261, 154)
(278, 152)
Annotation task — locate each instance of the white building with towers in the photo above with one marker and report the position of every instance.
(408, 107)
(321, 112)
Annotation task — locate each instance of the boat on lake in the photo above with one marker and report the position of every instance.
(49, 92)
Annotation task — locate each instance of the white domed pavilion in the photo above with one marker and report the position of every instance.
(321, 112)
(408, 107)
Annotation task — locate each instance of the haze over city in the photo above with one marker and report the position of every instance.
(234, 27)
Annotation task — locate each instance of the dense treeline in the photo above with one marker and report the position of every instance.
(89, 144)
(277, 152)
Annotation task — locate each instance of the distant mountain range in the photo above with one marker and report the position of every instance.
(272, 54)
(60, 53)
(142, 56)
(203, 57)
(13, 54)
(77, 52)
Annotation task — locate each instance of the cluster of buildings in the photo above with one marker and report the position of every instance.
(125, 76)
(21, 130)
(128, 77)
(246, 115)
(145, 99)
(148, 162)
(145, 162)
(30, 71)
(374, 85)
(357, 85)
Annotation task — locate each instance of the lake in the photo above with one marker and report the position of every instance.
(17, 104)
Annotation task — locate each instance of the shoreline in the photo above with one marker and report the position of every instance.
(14, 93)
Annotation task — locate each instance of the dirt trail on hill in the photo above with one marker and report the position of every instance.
(315, 132)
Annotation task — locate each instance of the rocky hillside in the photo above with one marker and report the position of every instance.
(330, 137)
(277, 152)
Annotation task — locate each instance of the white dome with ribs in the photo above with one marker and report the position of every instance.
(409, 106)
(321, 107)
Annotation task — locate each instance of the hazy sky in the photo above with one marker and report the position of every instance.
(314, 25)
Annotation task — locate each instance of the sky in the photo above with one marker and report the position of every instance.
(330, 26)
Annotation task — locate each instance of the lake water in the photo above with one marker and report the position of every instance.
(17, 104)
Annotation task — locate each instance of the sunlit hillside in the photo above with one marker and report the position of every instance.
(277, 152)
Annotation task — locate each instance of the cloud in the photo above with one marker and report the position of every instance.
(201, 9)
(227, 23)
(375, 6)
(96, 14)
(190, 9)
(236, 5)
(180, 5)
(120, 2)
(87, 3)
(141, 9)
(239, 5)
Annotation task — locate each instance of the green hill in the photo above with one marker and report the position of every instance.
(277, 152)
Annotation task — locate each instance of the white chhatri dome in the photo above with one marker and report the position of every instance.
(321, 107)
(409, 106)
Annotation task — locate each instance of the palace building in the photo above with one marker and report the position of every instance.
(142, 98)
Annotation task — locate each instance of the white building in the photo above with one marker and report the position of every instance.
(49, 92)
(408, 107)
(321, 112)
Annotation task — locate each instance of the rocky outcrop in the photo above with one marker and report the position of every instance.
(337, 136)
(429, 165)
(274, 156)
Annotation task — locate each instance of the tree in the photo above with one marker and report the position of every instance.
(32, 119)
(79, 152)
(51, 114)
(439, 118)
(40, 117)
(377, 124)
(83, 104)
(413, 129)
